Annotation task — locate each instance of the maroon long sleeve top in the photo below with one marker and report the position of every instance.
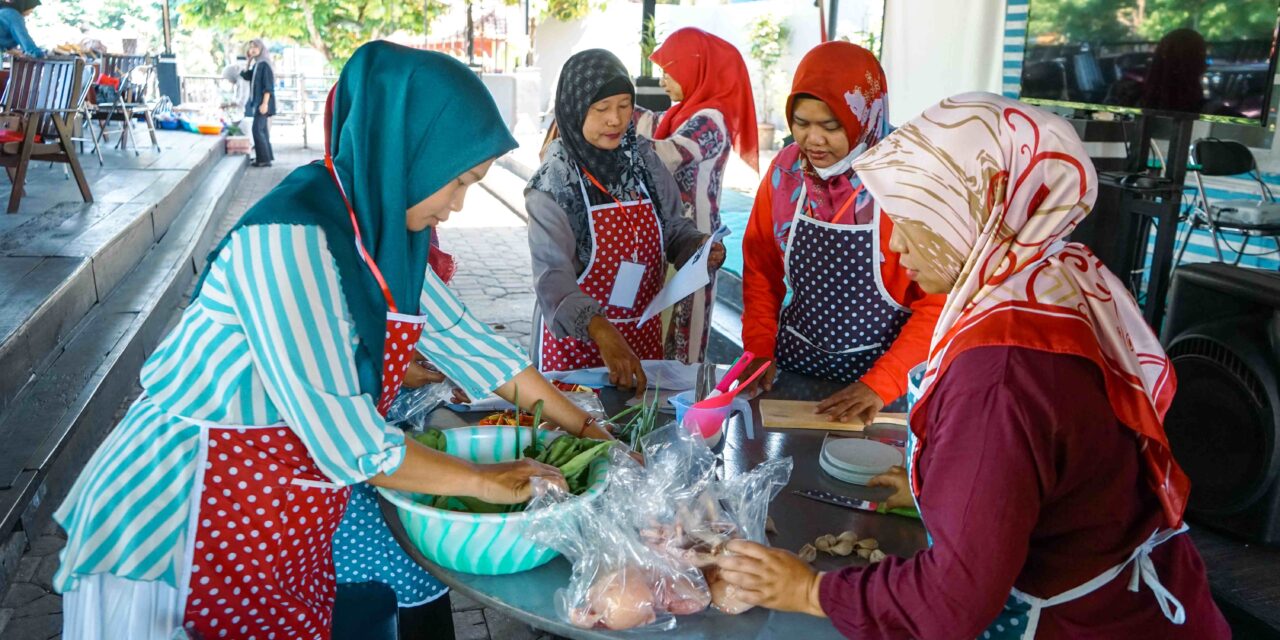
(1028, 480)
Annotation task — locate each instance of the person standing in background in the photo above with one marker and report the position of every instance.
(262, 100)
(714, 114)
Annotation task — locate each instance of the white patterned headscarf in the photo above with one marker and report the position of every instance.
(988, 189)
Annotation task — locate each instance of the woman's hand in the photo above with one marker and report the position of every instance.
(625, 370)
(764, 382)
(716, 259)
(597, 430)
(772, 578)
(262, 108)
(854, 402)
(420, 373)
(512, 482)
(895, 478)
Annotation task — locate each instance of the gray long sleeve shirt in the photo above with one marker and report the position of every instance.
(556, 268)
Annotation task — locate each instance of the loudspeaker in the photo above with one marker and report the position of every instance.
(1223, 334)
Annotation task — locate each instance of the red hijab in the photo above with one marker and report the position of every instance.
(713, 76)
(851, 82)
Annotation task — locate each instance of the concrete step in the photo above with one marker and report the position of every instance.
(58, 261)
(62, 415)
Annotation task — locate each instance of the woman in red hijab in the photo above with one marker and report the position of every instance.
(714, 114)
(855, 316)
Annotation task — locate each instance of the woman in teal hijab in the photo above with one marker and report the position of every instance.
(213, 506)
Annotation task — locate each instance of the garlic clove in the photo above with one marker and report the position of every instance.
(808, 553)
(868, 543)
(842, 548)
(824, 543)
(876, 556)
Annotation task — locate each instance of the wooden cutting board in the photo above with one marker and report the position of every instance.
(799, 414)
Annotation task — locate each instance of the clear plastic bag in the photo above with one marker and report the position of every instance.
(413, 405)
(645, 551)
(704, 513)
(617, 582)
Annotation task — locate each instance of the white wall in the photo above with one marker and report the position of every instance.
(938, 48)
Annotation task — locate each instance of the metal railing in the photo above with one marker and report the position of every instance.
(299, 98)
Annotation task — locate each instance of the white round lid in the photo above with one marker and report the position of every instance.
(843, 475)
(862, 456)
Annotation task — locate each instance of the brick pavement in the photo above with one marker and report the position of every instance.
(493, 280)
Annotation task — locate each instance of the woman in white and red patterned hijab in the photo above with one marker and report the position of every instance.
(1041, 468)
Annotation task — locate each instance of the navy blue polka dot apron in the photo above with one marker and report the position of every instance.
(840, 319)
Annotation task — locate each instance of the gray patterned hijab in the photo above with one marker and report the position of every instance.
(587, 78)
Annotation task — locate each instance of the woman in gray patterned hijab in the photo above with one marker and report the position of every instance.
(604, 219)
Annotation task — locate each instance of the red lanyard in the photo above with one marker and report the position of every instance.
(845, 207)
(635, 248)
(355, 225)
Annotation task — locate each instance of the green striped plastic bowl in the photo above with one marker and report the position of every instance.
(486, 543)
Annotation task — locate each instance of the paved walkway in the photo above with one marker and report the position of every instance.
(493, 279)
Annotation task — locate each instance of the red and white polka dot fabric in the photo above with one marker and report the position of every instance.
(618, 233)
(263, 562)
(398, 351)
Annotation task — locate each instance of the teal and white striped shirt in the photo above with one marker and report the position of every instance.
(268, 339)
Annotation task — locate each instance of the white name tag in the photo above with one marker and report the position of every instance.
(627, 285)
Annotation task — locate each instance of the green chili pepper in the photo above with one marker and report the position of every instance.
(580, 461)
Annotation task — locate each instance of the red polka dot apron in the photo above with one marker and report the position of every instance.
(622, 233)
(840, 319)
(260, 557)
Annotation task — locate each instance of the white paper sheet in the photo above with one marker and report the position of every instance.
(692, 277)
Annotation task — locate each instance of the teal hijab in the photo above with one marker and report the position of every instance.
(404, 124)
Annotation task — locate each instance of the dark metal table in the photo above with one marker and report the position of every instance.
(530, 596)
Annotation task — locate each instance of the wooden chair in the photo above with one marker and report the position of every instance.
(41, 100)
(135, 74)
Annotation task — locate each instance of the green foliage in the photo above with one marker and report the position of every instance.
(869, 40)
(648, 43)
(769, 37)
(567, 10)
(1106, 21)
(333, 27)
(116, 14)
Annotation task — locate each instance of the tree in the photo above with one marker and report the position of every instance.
(1108, 21)
(1216, 20)
(1079, 20)
(567, 10)
(335, 28)
(117, 14)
